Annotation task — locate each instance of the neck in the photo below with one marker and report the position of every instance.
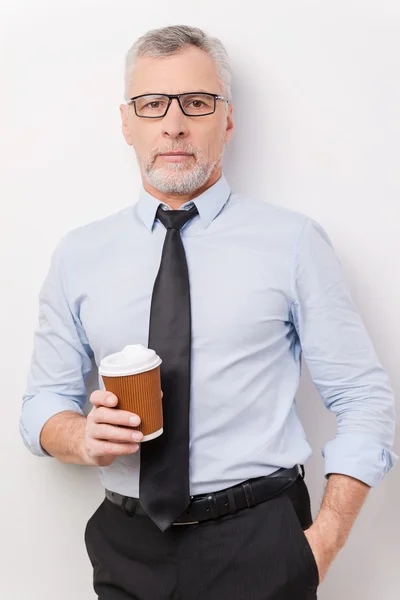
(175, 201)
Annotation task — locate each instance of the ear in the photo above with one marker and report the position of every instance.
(229, 124)
(124, 108)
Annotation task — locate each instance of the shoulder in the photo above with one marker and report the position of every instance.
(269, 215)
(278, 216)
(93, 237)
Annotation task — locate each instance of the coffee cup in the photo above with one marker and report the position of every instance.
(133, 375)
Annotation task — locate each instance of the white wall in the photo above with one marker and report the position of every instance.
(317, 90)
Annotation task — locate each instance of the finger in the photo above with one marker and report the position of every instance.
(113, 416)
(102, 448)
(103, 398)
(116, 434)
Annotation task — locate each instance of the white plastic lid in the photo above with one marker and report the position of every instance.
(134, 358)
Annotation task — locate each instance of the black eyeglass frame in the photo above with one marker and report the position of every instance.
(178, 97)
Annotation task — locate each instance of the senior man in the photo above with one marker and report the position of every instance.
(230, 292)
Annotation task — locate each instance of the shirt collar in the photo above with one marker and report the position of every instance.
(209, 203)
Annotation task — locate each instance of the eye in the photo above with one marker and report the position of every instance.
(197, 103)
(154, 104)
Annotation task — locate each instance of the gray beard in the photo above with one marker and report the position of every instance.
(176, 179)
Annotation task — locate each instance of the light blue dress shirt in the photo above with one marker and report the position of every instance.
(266, 288)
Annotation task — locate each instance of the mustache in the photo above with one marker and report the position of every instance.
(187, 148)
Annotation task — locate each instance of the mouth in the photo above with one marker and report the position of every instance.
(175, 156)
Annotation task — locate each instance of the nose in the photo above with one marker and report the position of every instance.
(175, 123)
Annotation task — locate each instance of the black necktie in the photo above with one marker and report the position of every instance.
(164, 461)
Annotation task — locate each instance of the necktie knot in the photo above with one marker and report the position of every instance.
(175, 219)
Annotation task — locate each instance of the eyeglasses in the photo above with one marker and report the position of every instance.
(193, 104)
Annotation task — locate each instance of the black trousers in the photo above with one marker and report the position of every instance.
(260, 553)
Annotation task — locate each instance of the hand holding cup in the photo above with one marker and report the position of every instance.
(109, 431)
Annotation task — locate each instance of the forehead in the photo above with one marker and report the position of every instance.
(190, 70)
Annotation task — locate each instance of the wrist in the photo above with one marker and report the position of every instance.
(80, 448)
(330, 530)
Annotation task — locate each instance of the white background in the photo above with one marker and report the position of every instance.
(317, 105)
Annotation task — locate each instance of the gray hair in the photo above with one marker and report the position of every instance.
(170, 40)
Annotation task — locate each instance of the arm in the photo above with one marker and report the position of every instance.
(343, 499)
(62, 437)
(95, 440)
(61, 359)
(352, 383)
(52, 422)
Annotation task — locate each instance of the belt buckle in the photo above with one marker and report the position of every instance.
(187, 522)
(212, 509)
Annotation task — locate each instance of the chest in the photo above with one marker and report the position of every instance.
(238, 296)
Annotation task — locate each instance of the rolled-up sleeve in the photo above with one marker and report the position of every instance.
(61, 357)
(342, 362)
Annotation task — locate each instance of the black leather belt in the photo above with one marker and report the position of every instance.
(217, 504)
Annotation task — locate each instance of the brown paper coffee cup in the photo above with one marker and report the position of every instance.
(137, 392)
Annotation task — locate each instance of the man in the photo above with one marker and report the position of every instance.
(215, 507)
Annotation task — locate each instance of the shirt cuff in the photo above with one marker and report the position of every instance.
(36, 411)
(358, 456)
